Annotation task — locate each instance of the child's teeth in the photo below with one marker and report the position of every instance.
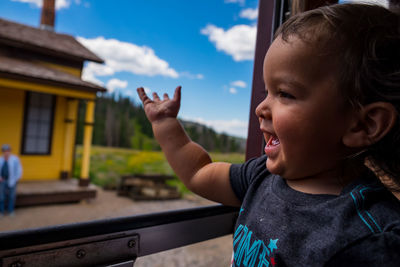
(275, 142)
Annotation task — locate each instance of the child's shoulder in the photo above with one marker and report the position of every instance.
(250, 169)
(243, 176)
(375, 206)
(376, 198)
(379, 249)
(377, 221)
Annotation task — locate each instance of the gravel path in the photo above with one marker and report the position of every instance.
(213, 253)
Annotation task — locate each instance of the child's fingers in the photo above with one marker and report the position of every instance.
(156, 97)
(177, 94)
(142, 95)
(166, 97)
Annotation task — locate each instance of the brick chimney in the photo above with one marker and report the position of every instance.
(48, 15)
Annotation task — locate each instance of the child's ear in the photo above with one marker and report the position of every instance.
(372, 123)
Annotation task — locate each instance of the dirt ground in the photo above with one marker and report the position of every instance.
(213, 253)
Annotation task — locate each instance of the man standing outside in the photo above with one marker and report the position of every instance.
(10, 173)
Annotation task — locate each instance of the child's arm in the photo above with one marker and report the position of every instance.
(190, 161)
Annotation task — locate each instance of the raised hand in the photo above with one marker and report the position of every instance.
(191, 162)
(158, 109)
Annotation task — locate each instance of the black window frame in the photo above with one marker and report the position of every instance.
(28, 96)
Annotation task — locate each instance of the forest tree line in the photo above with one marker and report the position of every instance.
(120, 122)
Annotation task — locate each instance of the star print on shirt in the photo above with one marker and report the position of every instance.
(272, 244)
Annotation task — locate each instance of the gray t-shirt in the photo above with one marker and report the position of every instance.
(278, 226)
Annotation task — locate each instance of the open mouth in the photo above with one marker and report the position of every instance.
(272, 147)
(273, 141)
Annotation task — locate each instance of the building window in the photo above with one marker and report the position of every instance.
(38, 124)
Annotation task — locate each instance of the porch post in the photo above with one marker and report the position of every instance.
(70, 120)
(87, 142)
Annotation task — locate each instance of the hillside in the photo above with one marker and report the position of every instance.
(213, 141)
(120, 122)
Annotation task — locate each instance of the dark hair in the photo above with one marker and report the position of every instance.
(365, 39)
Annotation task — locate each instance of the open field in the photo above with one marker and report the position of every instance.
(108, 164)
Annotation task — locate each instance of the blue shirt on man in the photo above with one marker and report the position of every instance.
(4, 170)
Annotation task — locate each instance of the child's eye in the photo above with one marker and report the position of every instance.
(285, 95)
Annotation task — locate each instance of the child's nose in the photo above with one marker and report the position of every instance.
(263, 110)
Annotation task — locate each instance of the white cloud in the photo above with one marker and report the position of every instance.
(116, 83)
(94, 69)
(232, 127)
(249, 13)
(62, 4)
(39, 3)
(123, 56)
(238, 41)
(233, 90)
(239, 83)
(191, 76)
(89, 73)
(241, 2)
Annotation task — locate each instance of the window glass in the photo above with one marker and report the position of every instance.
(31, 129)
(34, 100)
(34, 113)
(155, 46)
(38, 122)
(44, 130)
(42, 146)
(30, 145)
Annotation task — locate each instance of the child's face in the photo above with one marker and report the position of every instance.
(303, 117)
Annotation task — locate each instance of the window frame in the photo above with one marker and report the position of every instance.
(28, 96)
(82, 243)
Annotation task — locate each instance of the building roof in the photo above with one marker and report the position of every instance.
(31, 71)
(44, 41)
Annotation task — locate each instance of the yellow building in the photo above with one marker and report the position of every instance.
(40, 87)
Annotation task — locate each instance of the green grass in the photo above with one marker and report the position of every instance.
(107, 164)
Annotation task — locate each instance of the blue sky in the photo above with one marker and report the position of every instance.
(206, 46)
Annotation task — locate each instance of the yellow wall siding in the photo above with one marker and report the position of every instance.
(12, 108)
(48, 167)
(11, 117)
(35, 167)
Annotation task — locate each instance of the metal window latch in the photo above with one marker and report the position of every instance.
(117, 251)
